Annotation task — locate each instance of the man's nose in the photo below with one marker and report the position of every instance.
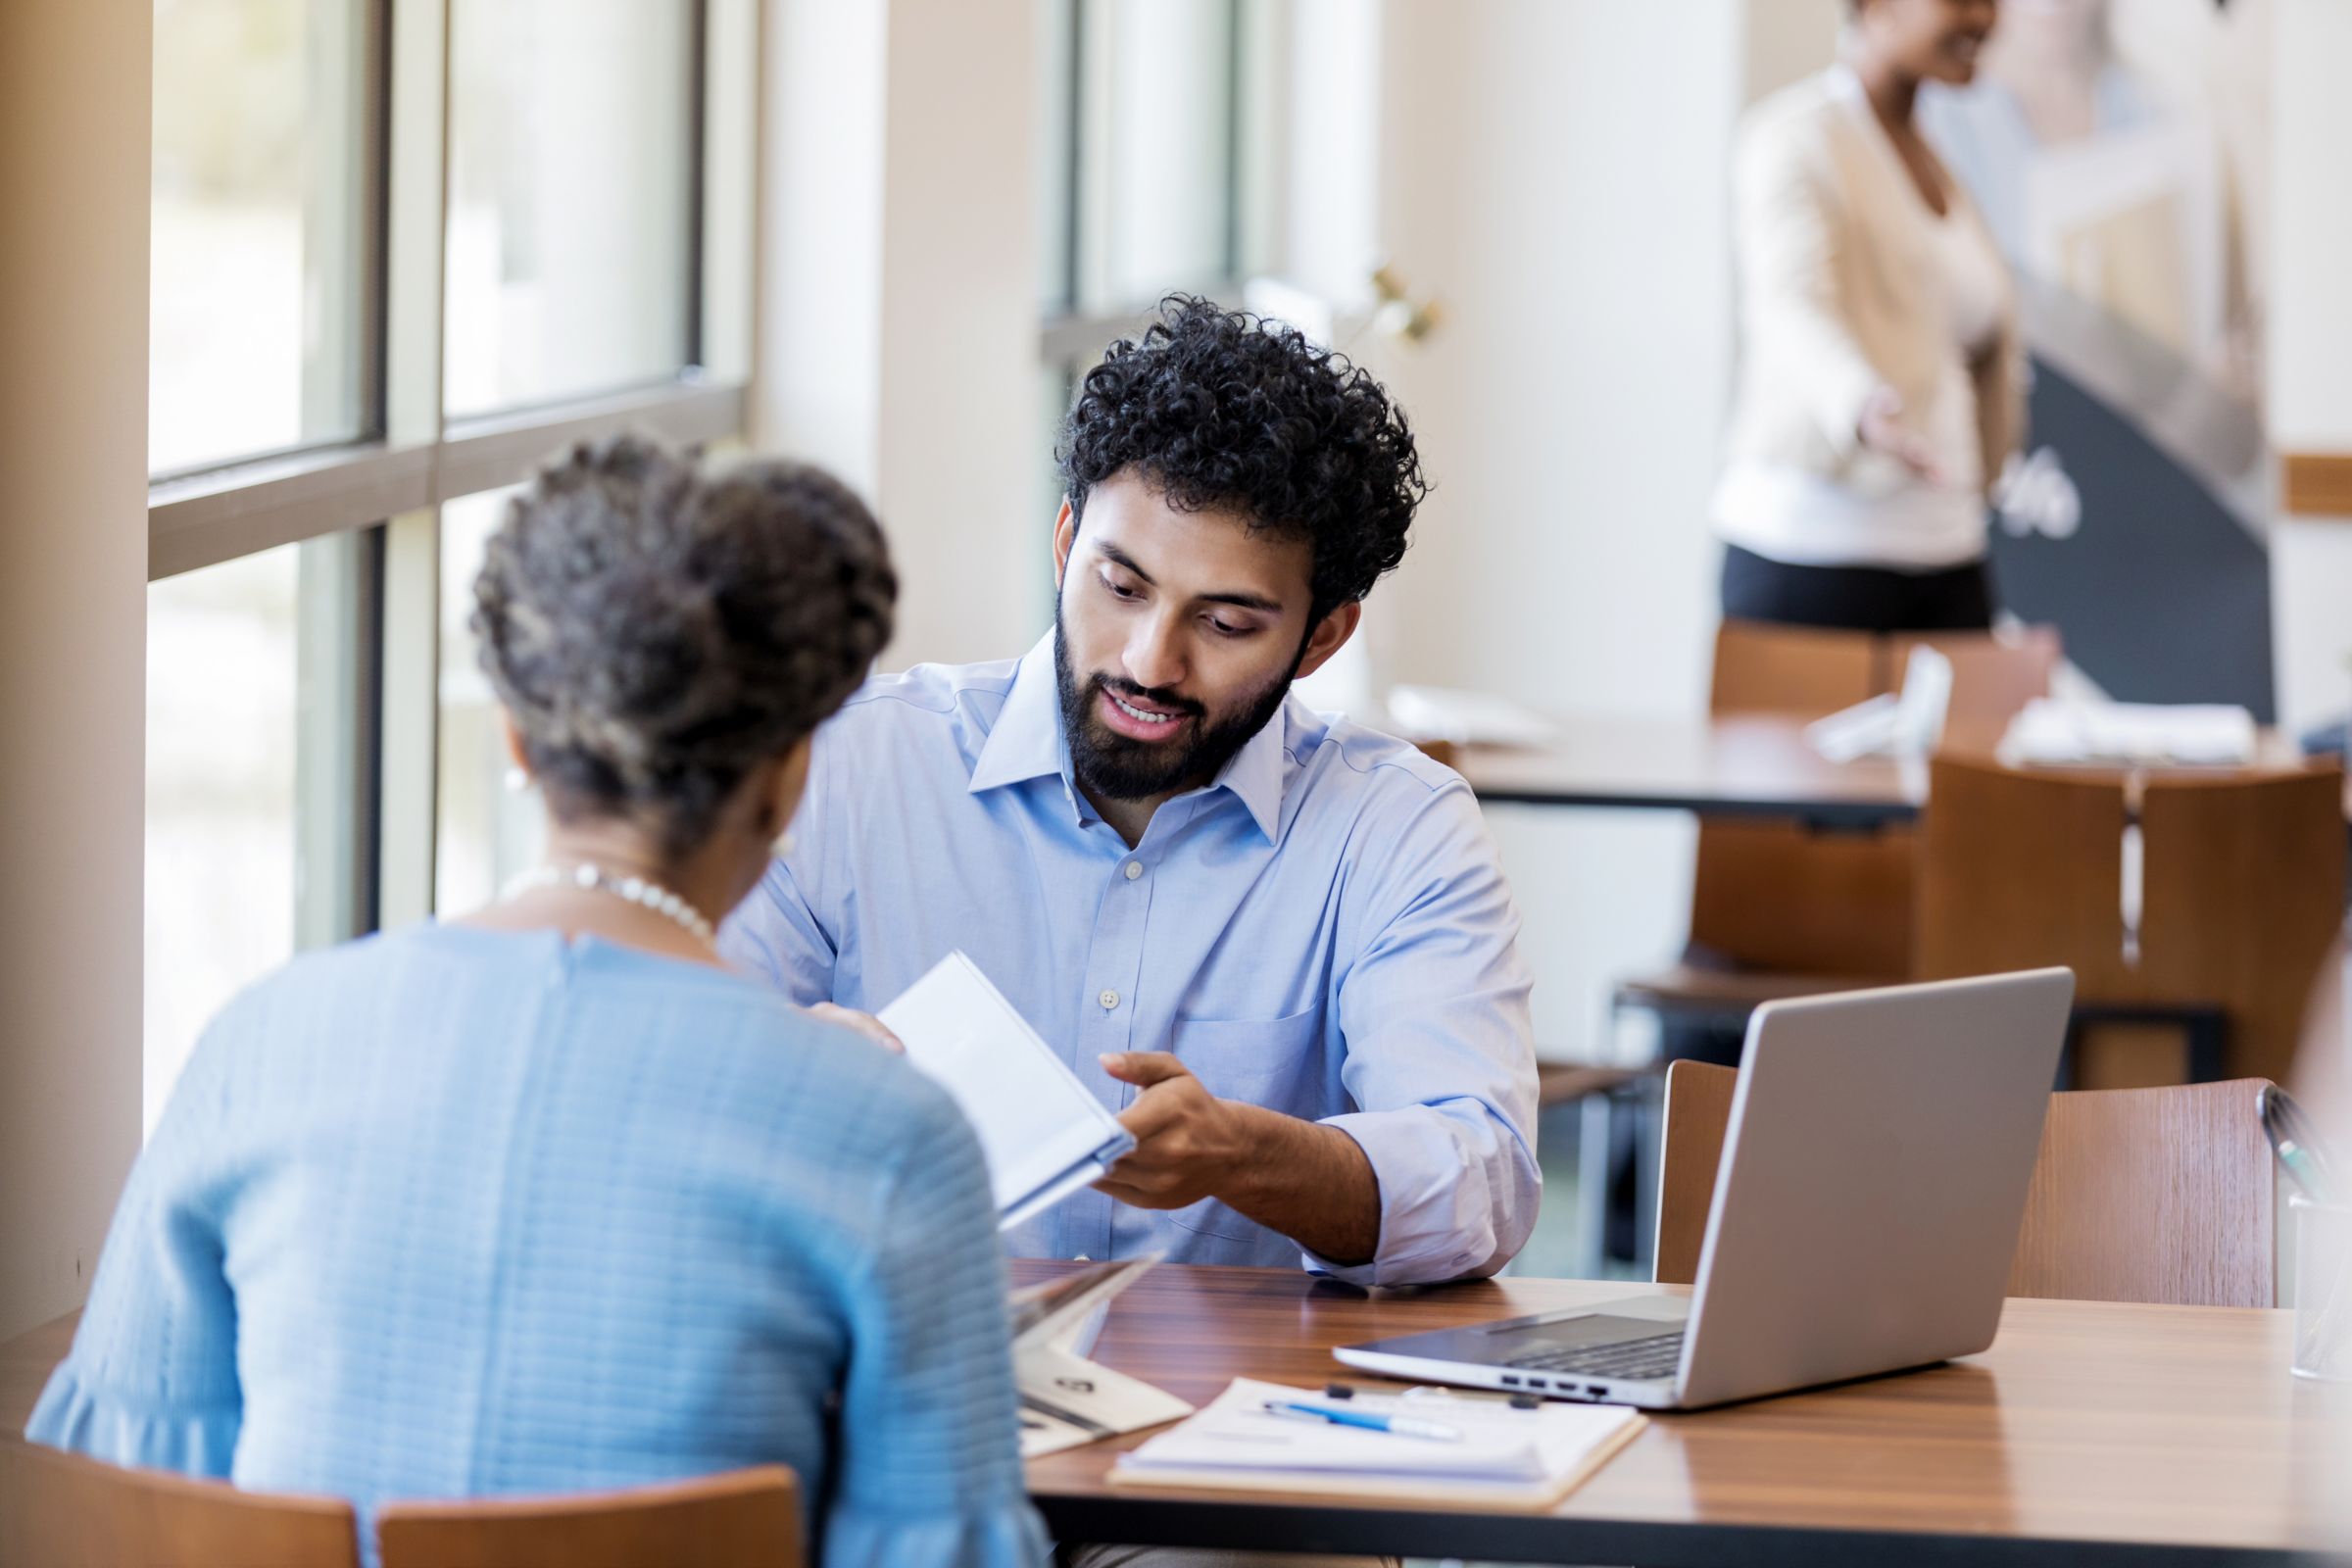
(1154, 656)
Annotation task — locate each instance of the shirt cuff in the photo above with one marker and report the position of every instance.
(80, 1419)
(1437, 1216)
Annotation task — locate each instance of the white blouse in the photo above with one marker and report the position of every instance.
(1889, 517)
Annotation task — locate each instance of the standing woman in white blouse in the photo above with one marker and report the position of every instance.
(1881, 383)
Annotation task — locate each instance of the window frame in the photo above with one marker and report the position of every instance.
(392, 482)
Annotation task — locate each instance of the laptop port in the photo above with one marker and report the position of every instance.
(1596, 1389)
(1509, 1382)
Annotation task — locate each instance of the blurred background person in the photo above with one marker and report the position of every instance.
(1880, 388)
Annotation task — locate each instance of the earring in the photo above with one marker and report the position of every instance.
(517, 781)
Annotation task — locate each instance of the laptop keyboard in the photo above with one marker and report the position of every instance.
(1647, 1359)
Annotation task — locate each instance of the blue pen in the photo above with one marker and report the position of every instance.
(1402, 1425)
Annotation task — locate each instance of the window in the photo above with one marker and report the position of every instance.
(571, 192)
(253, 848)
(486, 833)
(255, 296)
(373, 225)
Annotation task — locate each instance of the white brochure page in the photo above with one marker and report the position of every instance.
(1044, 1135)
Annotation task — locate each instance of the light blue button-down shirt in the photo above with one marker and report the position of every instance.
(1324, 930)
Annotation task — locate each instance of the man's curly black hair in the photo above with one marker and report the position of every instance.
(1216, 408)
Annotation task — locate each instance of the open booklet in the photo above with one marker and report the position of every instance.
(1496, 1453)
(1067, 1400)
(1042, 1133)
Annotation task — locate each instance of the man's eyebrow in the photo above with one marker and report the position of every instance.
(1240, 601)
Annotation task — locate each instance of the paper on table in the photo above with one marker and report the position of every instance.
(1042, 1135)
(1505, 1454)
(2050, 730)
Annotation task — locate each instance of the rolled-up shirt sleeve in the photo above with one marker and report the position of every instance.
(1438, 1053)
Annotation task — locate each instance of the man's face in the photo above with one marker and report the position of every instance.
(1176, 636)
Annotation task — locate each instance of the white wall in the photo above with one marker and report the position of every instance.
(899, 296)
(75, 108)
(1554, 171)
(2309, 347)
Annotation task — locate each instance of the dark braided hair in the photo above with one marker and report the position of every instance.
(657, 634)
(1215, 408)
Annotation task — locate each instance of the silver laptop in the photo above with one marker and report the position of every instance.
(1866, 1210)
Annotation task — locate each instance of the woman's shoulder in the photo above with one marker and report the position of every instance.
(1806, 116)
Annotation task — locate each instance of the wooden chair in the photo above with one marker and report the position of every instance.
(2138, 1194)
(1790, 911)
(2243, 893)
(743, 1519)
(62, 1510)
(1994, 675)
(2243, 899)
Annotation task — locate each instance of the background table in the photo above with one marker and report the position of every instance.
(2089, 1435)
(1753, 764)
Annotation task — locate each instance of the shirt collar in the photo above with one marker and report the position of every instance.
(1027, 742)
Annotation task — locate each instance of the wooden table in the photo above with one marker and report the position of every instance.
(1755, 765)
(2089, 1435)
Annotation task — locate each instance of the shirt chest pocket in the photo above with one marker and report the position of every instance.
(1273, 1063)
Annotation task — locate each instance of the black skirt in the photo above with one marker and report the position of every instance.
(1856, 598)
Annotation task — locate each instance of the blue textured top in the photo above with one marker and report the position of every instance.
(455, 1212)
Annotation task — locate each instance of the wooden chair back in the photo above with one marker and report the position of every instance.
(2242, 900)
(1778, 897)
(2019, 870)
(1773, 895)
(1697, 1114)
(2160, 1196)
(62, 1510)
(1764, 668)
(1994, 675)
(742, 1519)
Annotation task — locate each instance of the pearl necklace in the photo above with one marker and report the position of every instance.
(590, 877)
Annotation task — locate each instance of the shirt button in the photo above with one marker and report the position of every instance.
(1110, 1000)
(1135, 868)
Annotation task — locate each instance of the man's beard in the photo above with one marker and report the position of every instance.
(1119, 768)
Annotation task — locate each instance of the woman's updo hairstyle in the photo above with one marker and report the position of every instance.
(657, 634)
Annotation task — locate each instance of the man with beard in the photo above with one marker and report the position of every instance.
(1278, 945)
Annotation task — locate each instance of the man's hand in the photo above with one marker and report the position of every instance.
(1187, 1141)
(1312, 1183)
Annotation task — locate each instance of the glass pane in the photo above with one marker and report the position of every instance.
(570, 200)
(252, 841)
(1156, 157)
(258, 201)
(484, 832)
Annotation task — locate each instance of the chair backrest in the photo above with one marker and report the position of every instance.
(2138, 1194)
(62, 1510)
(1771, 895)
(2243, 897)
(742, 1519)
(1764, 668)
(1994, 675)
(2019, 870)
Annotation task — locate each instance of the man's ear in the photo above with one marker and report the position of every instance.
(1329, 635)
(1066, 539)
